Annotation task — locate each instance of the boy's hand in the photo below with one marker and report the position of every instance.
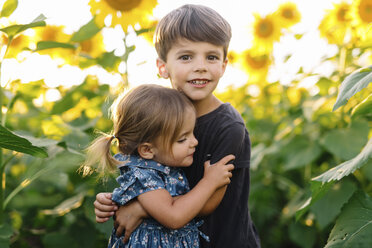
(128, 218)
(104, 207)
(220, 172)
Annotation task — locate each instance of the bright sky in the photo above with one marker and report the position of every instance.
(75, 13)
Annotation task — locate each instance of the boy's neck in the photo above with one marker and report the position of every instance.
(206, 106)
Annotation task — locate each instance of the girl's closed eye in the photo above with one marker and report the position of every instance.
(181, 140)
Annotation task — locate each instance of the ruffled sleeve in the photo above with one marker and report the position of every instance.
(135, 181)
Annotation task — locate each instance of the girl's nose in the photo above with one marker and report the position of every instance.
(194, 142)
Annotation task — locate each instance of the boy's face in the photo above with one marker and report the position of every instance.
(194, 68)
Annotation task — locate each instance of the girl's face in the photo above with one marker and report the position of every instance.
(182, 151)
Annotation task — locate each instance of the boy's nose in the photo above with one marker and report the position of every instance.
(200, 65)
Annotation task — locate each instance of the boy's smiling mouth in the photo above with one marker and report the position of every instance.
(199, 81)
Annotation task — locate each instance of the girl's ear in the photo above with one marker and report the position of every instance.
(146, 150)
(163, 72)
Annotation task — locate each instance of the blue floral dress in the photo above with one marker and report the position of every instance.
(137, 176)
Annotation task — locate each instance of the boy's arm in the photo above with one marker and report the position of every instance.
(230, 141)
(126, 218)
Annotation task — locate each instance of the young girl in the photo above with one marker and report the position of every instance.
(154, 128)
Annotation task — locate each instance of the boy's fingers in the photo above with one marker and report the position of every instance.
(104, 198)
(101, 220)
(101, 208)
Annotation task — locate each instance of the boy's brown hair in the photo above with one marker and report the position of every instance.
(192, 22)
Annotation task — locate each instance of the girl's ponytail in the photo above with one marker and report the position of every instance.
(99, 156)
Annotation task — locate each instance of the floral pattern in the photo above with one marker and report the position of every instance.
(137, 176)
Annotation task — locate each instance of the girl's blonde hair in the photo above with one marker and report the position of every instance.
(147, 113)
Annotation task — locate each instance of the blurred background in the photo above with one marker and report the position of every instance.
(299, 72)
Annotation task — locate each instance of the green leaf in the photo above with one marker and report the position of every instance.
(329, 205)
(86, 32)
(353, 227)
(303, 236)
(108, 60)
(8, 8)
(318, 189)
(11, 31)
(347, 143)
(352, 84)
(66, 206)
(11, 141)
(302, 156)
(364, 108)
(347, 167)
(42, 45)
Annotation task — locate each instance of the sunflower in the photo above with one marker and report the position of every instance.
(256, 66)
(232, 57)
(148, 32)
(288, 14)
(54, 33)
(16, 46)
(93, 46)
(336, 24)
(123, 12)
(265, 32)
(361, 13)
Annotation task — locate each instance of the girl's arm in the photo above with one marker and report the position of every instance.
(213, 201)
(174, 213)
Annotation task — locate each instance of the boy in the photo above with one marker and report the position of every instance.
(192, 43)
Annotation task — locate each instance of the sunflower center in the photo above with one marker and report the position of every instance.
(123, 5)
(265, 28)
(256, 62)
(287, 14)
(365, 11)
(86, 46)
(341, 14)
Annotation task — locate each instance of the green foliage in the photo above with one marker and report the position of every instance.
(354, 226)
(13, 30)
(354, 83)
(8, 8)
(11, 141)
(311, 167)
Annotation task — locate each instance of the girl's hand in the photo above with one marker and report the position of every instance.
(104, 207)
(220, 172)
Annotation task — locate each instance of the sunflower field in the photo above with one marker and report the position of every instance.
(311, 164)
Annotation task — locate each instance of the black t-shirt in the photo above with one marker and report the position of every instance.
(220, 133)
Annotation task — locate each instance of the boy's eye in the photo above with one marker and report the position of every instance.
(185, 57)
(212, 57)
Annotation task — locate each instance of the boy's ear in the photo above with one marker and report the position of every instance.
(224, 65)
(146, 151)
(163, 72)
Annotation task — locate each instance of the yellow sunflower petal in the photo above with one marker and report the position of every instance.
(266, 31)
(288, 14)
(256, 66)
(123, 12)
(361, 14)
(336, 24)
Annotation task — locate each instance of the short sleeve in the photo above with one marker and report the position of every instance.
(233, 139)
(135, 181)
